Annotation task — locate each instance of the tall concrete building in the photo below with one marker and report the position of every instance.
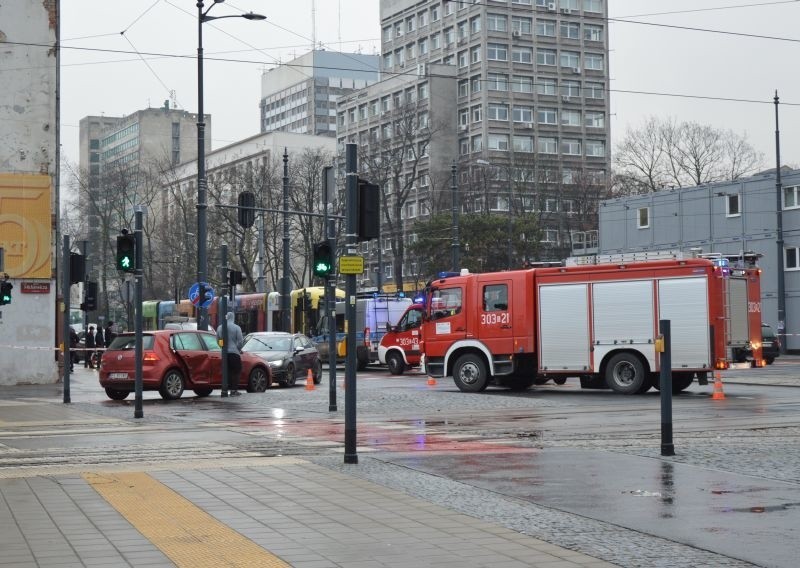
(122, 159)
(300, 96)
(529, 102)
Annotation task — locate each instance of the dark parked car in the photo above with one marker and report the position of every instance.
(770, 347)
(770, 344)
(174, 360)
(289, 355)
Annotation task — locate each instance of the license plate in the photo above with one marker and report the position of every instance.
(118, 376)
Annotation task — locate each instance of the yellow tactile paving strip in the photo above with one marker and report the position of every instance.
(186, 534)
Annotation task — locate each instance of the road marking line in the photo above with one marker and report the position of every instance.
(186, 534)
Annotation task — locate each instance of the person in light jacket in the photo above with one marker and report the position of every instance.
(235, 341)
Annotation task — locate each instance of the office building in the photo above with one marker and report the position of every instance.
(300, 96)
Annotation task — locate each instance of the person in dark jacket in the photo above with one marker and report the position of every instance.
(73, 344)
(100, 342)
(89, 345)
(109, 333)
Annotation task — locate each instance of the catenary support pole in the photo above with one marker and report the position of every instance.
(223, 321)
(328, 200)
(138, 411)
(454, 191)
(65, 287)
(285, 289)
(782, 326)
(351, 168)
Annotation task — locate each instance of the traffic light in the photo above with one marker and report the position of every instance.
(90, 297)
(126, 249)
(77, 267)
(235, 277)
(247, 215)
(5, 292)
(323, 259)
(369, 215)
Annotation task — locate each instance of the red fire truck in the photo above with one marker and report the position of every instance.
(401, 346)
(596, 322)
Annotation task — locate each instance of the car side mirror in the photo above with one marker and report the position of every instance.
(389, 327)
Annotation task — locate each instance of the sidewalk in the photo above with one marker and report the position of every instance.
(264, 512)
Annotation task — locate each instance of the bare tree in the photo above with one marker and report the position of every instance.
(396, 163)
(666, 153)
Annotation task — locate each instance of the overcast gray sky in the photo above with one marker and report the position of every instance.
(644, 58)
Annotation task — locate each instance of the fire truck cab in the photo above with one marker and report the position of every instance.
(400, 346)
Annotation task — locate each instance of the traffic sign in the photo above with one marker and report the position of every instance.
(194, 295)
(351, 265)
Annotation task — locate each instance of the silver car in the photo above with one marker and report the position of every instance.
(289, 355)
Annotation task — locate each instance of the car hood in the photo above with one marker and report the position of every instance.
(270, 355)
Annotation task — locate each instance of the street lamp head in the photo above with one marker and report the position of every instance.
(252, 16)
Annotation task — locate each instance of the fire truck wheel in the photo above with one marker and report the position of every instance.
(517, 383)
(680, 381)
(560, 380)
(470, 374)
(625, 374)
(395, 363)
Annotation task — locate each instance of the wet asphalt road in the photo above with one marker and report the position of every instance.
(731, 489)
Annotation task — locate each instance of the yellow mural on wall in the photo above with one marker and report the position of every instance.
(25, 224)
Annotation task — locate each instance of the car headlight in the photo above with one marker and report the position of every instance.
(277, 364)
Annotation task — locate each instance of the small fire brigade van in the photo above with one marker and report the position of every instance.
(401, 346)
(595, 322)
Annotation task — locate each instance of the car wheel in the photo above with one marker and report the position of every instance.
(395, 363)
(203, 391)
(470, 374)
(290, 379)
(769, 360)
(625, 374)
(560, 380)
(172, 385)
(316, 372)
(739, 356)
(115, 394)
(258, 381)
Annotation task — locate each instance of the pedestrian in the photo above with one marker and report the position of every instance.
(73, 344)
(99, 343)
(235, 341)
(89, 345)
(109, 334)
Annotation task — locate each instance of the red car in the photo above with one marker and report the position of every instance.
(174, 360)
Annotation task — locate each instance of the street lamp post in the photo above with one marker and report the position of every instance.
(202, 231)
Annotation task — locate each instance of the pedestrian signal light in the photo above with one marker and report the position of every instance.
(5, 292)
(323, 259)
(126, 247)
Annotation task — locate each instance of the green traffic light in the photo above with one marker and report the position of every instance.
(125, 262)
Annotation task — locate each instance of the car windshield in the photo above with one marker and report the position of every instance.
(266, 343)
(124, 342)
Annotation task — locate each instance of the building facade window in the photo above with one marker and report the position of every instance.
(593, 33)
(595, 6)
(596, 148)
(595, 91)
(732, 206)
(523, 114)
(497, 52)
(497, 82)
(643, 218)
(570, 59)
(523, 144)
(496, 23)
(497, 112)
(570, 147)
(595, 119)
(522, 26)
(547, 116)
(546, 28)
(570, 30)
(792, 258)
(545, 86)
(498, 142)
(522, 55)
(570, 117)
(546, 57)
(594, 61)
(548, 145)
(521, 84)
(791, 197)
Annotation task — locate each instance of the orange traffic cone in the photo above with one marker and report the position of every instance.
(718, 393)
(310, 381)
(431, 381)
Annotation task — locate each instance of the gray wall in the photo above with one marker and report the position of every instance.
(696, 217)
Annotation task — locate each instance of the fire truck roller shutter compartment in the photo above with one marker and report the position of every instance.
(738, 331)
(623, 319)
(564, 333)
(684, 301)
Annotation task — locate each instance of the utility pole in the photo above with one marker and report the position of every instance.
(454, 190)
(351, 244)
(782, 326)
(285, 290)
(138, 385)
